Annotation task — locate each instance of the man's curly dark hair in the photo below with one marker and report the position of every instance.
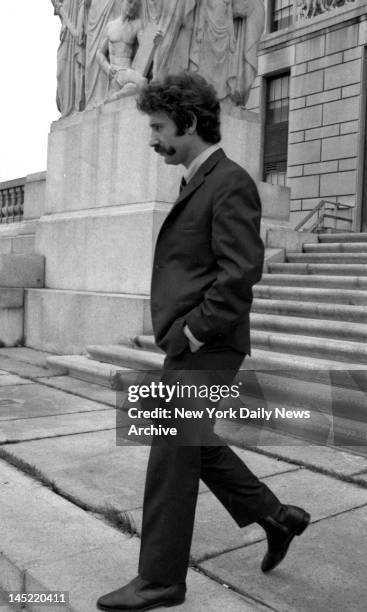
(183, 96)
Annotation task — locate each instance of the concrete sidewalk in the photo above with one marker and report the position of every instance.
(65, 487)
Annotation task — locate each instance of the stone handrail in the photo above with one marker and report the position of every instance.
(306, 9)
(12, 200)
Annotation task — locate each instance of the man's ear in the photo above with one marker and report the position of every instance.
(191, 127)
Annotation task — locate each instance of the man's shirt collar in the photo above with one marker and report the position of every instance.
(199, 161)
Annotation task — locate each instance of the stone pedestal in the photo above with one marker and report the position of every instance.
(107, 193)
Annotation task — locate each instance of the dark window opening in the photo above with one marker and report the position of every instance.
(276, 130)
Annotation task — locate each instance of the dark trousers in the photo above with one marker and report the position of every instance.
(174, 470)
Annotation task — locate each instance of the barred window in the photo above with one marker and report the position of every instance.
(276, 130)
(281, 14)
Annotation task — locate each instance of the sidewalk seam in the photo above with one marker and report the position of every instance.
(302, 464)
(261, 539)
(121, 520)
(351, 479)
(228, 586)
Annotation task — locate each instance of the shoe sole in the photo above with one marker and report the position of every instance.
(297, 532)
(167, 604)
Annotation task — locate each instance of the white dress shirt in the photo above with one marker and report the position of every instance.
(199, 161)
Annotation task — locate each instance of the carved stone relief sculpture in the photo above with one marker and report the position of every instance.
(306, 9)
(224, 45)
(118, 47)
(96, 79)
(110, 46)
(71, 56)
(175, 23)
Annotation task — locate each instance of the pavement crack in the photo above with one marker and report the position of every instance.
(52, 416)
(122, 520)
(351, 479)
(77, 433)
(231, 587)
(75, 394)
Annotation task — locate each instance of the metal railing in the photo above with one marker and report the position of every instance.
(12, 200)
(325, 210)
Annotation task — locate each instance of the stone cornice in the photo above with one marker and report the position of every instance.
(314, 26)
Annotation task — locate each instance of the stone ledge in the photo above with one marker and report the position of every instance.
(64, 322)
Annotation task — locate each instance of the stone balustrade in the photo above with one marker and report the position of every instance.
(12, 200)
(306, 9)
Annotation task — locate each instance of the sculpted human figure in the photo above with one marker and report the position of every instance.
(115, 54)
(175, 21)
(213, 43)
(70, 96)
(224, 43)
(96, 80)
(249, 23)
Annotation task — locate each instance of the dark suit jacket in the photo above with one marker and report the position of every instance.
(208, 256)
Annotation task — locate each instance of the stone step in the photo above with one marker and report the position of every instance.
(310, 294)
(327, 428)
(303, 366)
(324, 348)
(126, 356)
(313, 280)
(343, 396)
(20, 270)
(284, 389)
(344, 258)
(146, 342)
(336, 247)
(339, 330)
(115, 364)
(83, 368)
(311, 310)
(344, 237)
(319, 269)
(133, 361)
(336, 398)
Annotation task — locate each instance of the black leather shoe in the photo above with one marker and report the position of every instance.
(140, 594)
(280, 530)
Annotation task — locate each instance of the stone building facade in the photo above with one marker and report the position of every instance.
(311, 95)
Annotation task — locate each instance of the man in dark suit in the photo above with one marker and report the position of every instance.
(208, 256)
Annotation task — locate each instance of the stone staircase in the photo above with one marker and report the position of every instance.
(309, 331)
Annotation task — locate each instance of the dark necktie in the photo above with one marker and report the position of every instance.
(183, 183)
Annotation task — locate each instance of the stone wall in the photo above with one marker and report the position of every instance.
(324, 119)
(325, 60)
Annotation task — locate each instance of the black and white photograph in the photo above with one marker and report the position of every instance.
(183, 305)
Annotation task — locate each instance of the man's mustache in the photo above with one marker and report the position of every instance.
(168, 151)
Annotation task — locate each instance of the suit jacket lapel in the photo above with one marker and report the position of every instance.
(193, 185)
(199, 177)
